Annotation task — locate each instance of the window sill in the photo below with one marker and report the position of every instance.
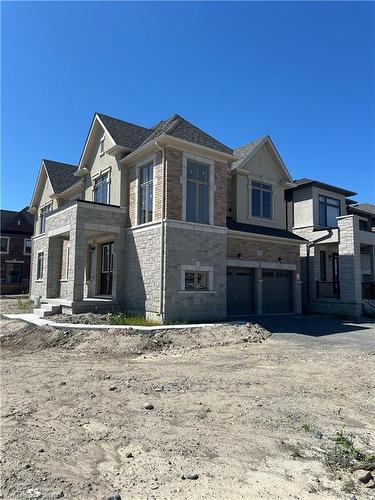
(198, 291)
(38, 281)
(63, 280)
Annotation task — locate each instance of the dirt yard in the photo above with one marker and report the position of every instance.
(220, 413)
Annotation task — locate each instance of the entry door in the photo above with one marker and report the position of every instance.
(277, 292)
(106, 275)
(240, 291)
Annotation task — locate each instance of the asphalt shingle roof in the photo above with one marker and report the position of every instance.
(245, 150)
(9, 221)
(134, 136)
(60, 175)
(262, 230)
(306, 182)
(364, 207)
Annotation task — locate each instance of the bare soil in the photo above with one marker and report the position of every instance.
(252, 416)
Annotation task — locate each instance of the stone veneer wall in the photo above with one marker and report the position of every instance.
(140, 290)
(189, 244)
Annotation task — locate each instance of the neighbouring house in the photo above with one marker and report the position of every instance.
(15, 250)
(338, 262)
(165, 221)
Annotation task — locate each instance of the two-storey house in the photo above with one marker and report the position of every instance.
(337, 263)
(15, 250)
(165, 221)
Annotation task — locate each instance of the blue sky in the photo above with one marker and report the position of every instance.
(302, 72)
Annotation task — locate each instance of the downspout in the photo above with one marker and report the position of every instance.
(162, 235)
(309, 245)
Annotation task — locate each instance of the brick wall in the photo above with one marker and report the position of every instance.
(174, 186)
(260, 250)
(16, 248)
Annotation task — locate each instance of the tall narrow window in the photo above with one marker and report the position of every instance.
(101, 188)
(4, 245)
(329, 210)
(40, 265)
(27, 246)
(43, 214)
(197, 192)
(261, 200)
(146, 193)
(323, 266)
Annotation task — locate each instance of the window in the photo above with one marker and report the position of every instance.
(43, 214)
(101, 146)
(329, 210)
(101, 189)
(196, 280)
(323, 266)
(197, 192)
(13, 272)
(146, 193)
(261, 200)
(4, 245)
(40, 265)
(363, 225)
(27, 246)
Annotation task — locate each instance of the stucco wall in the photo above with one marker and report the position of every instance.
(263, 168)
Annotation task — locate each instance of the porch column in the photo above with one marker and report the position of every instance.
(350, 273)
(53, 267)
(77, 262)
(259, 291)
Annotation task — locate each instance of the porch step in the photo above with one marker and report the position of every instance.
(47, 310)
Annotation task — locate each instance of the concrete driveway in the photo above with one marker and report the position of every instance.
(320, 330)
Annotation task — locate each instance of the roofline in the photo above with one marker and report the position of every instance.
(242, 234)
(174, 141)
(94, 119)
(265, 139)
(329, 187)
(42, 166)
(69, 190)
(361, 211)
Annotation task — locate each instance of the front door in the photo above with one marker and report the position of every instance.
(106, 275)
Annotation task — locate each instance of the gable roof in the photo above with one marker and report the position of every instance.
(135, 136)
(248, 150)
(60, 175)
(243, 151)
(9, 221)
(301, 183)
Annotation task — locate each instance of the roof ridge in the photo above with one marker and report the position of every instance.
(59, 163)
(122, 121)
(251, 142)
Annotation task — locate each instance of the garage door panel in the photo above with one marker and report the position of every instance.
(240, 292)
(277, 292)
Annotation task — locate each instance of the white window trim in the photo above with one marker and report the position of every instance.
(249, 187)
(101, 144)
(211, 184)
(7, 250)
(24, 246)
(195, 268)
(101, 173)
(43, 207)
(138, 166)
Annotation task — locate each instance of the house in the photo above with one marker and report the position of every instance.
(165, 221)
(15, 250)
(337, 263)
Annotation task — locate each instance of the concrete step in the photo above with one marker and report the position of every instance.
(47, 310)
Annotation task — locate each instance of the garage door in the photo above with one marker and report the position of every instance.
(277, 292)
(240, 291)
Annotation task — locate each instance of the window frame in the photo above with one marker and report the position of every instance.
(208, 271)
(261, 190)
(197, 183)
(149, 186)
(8, 245)
(101, 146)
(44, 211)
(323, 199)
(40, 268)
(96, 180)
(24, 246)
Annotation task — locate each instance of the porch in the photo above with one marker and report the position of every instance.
(80, 262)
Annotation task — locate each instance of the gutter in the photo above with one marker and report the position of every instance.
(162, 235)
(309, 245)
